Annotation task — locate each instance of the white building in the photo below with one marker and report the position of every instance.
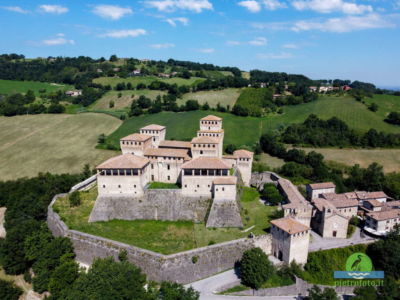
(156, 131)
(315, 190)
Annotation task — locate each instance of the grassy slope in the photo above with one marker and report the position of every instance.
(14, 86)
(223, 97)
(386, 104)
(126, 99)
(54, 143)
(160, 236)
(147, 80)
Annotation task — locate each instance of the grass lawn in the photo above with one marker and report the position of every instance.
(124, 101)
(388, 158)
(163, 236)
(113, 81)
(162, 185)
(15, 86)
(223, 97)
(271, 161)
(52, 143)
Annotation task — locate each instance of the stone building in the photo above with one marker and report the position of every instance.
(315, 190)
(199, 167)
(290, 240)
(381, 222)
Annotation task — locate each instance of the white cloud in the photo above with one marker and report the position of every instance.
(162, 46)
(260, 41)
(53, 9)
(58, 41)
(397, 4)
(207, 50)
(173, 5)
(113, 12)
(119, 34)
(233, 43)
(174, 21)
(328, 6)
(251, 5)
(290, 46)
(283, 55)
(273, 4)
(346, 24)
(17, 9)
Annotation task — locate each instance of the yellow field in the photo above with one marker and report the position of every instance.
(52, 143)
(223, 97)
(388, 158)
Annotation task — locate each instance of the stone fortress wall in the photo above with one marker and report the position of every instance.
(183, 267)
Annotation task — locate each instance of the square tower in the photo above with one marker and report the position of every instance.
(290, 240)
(211, 123)
(136, 144)
(156, 131)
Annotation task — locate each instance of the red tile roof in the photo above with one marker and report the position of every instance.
(322, 185)
(174, 144)
(211, 118)
(225, 180)
(204, 140)
(137, 137)
(290, 225)
(124, 161)
(153, 127)
(205, 163)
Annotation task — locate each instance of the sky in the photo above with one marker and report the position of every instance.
(322, 39)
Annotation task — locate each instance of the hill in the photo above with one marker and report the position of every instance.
(51, 143)
(113, 81)
(224, 97)
(15, 86)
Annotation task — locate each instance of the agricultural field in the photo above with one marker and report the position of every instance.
(52, 143)
(14, 86)
(224, 97)
(113, 81)
(125, 100)
(183, 126)
(165, 237)
(388, 158)
(386, 104)
(253, 99)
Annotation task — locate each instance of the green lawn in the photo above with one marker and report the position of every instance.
(162, 236)
(224, 97)
(14, 86)
(162, 185)
(113, 81)
(52, 143)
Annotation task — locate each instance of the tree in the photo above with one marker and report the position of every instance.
(315, 293)
(113, 58)
(101, 139)
(393, 118)
(230, 148)
(365, 293)
(175, 291)
(255, 268)
(29, 97)
(9, 291)
(111, 104)
(63, 276)
(192, 105)
(271, 194)
(74, 199)
(373, 107)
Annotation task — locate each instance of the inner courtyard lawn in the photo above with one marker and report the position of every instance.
(165, 237)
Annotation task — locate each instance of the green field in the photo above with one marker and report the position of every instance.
(223, 97)
(164, 236)
(386, 104)
(388, 158)
(125, 100)
(13, 86)
(51, 143)
(113, 81)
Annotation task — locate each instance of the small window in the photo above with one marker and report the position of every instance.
(198, 186)
(169, 177)
(223, 189)
(119, 186)
(168, 167)
(104, 186)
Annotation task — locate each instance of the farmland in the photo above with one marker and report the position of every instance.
(51, 143)
(224, 97)
(113, 81)
(14, 86)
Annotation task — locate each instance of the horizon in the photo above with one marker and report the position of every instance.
(320, 39)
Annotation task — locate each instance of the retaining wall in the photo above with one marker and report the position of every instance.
(179, 267)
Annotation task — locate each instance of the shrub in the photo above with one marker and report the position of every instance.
(111, 104)
(123, 255)
(195, 259)
(9, 291)
(255, 268)
(74, 199)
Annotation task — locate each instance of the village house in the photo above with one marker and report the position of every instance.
(290, 240)
(75, 93)
(315, 190)
(379, 223)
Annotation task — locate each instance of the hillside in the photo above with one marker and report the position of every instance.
(113, 81)
(14, 86)
(51, 143)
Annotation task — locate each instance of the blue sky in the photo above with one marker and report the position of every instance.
(345, 39)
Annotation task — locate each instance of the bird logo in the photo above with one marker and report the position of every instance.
(358, 265)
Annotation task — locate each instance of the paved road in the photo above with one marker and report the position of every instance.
(208, 286)
(320, 243)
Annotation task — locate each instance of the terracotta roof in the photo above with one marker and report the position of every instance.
(375, 195)
(170, 152)
(243, 153)
(375, 203)
(295, 198)
(229, 156)
(211, 131)
(384, 215)
(321, 203)
(323, 185)
(153, 127)
(290, 225)
(204, 140)
(124, 161)
(137, 137)
(225, 180)
(340, 200)
(392, 203)
(211, 118)
(174, 144)
(205, 163)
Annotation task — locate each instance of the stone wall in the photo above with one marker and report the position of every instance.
(166, 205)
(180, 267)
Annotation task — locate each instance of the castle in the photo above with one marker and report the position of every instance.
(198, 167)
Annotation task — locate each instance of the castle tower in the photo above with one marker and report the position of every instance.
(290, 240)
(211, 126)
(136, 143)
(158, 133)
